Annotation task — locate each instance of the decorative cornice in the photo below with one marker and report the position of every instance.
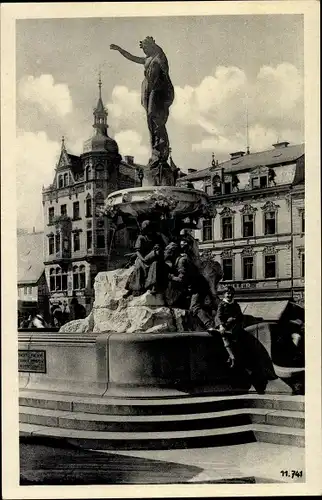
(226, 254)
(247, 251)
(270, 206)
(227, 212)
(270, 250)
(247, 209)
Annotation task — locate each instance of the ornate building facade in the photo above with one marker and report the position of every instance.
(257, 232)
(78, 242)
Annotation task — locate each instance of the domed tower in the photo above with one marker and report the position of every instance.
(101, 161)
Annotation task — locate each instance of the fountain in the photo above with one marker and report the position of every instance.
(145, 348)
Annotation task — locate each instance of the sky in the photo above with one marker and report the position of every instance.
(222, 67)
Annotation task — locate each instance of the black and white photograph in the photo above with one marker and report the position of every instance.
(161, 284)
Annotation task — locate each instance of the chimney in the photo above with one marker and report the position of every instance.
(280, 145)
(191, 170)
(238, 154)
(129, 159)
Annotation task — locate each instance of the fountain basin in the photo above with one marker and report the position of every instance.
(176, 201)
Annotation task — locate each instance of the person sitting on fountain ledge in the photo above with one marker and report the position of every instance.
(243, 349)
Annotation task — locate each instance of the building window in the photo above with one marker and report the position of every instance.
(227, 265)
(227, 228)
(263, 181)
(99, 204)
(100, 239)
(76, 210)
(270, 266)
(227, 187)
(63, 210)
(65, 179)
(216, 184)
(58, 283)
(248, 266)
(302, 265)
(78, 277)
(51, 215)
(76, 241)
(75, 278)
(100, 172)
(89, 240)
(248, 225)
(207, 230)
(88, 173)
(302, 221)
(81, 276)
(270, 222)
(88, 207)
(255, 182)
(64, 280)
(57, 242)
(52, 280)
(60, 181)
(51, 245)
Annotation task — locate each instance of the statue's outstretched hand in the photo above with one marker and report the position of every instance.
(114, 47)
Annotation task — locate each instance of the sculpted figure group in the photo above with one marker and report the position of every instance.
(172, 268)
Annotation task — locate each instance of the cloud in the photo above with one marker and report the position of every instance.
(130, 143)
(36, 157)
(274, 100)
(51, 97)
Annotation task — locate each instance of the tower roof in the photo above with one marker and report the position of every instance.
(100, 141)
(100, 106)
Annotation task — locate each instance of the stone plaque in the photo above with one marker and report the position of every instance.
(31, 361)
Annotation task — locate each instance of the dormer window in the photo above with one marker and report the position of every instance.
(65, 179)
(216, 184)
(60, 181)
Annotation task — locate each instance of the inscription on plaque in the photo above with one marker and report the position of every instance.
(31, 361)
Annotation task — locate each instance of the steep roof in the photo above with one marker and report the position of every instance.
(269, 157)
(30, 259)
(75, 163)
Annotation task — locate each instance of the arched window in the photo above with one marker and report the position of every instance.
(82, 277)
(88, 173)
(99, 204)
(99, 171)
(75, 278)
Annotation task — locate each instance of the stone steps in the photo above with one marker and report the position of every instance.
(111, 422)
(147, 423)
(169, 440)
(157, 406)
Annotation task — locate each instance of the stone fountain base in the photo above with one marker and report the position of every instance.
(111, 312)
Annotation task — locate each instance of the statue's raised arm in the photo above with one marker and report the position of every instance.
(127, 55)
(157, 95)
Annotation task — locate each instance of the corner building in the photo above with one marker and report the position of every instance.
(78, 242)
(257, 233)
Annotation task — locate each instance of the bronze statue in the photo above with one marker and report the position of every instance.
(157, 95)
(148, 272)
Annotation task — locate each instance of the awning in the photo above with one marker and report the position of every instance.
(265, 310)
